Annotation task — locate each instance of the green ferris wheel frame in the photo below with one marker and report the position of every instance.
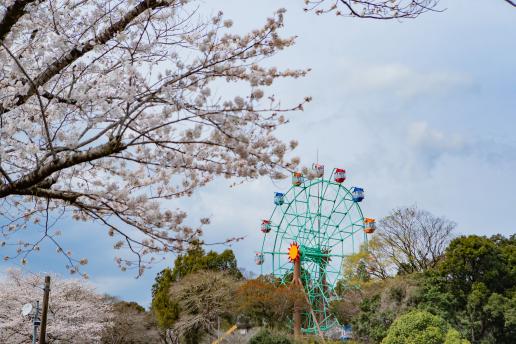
(321, 216)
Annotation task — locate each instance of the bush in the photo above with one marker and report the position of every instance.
(267, 337)
(421, 327)
(453, 337)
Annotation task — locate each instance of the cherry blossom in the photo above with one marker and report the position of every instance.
(75, 310)
(109, 108)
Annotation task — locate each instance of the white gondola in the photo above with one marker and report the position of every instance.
(266, 226)
(318, 170)
(259, 259)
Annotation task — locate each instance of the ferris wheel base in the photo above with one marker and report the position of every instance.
(327, 328)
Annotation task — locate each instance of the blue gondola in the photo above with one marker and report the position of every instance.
(357, 194)
(279, 198)
(347, 333)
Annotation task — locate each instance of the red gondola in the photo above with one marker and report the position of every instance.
(339, 175)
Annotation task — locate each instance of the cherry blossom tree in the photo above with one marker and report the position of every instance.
(108, 108)
(76, 313)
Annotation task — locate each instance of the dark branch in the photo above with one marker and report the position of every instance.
(40, 174)
(12, 14)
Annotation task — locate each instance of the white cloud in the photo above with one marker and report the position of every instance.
(421, 135)
(400, 80)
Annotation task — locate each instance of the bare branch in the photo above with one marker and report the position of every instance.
(374, 9)
(42, 107)
(412, 239)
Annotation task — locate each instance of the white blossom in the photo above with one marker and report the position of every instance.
(108, 110)
(75, 310)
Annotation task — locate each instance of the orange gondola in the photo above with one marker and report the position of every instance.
(370, 225)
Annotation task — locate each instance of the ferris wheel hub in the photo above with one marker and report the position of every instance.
(314, 254)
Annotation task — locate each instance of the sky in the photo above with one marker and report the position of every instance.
(419, 112)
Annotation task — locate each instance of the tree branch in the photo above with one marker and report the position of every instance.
(68, 196)
(43, 117)
(12, 14)
(38, 175)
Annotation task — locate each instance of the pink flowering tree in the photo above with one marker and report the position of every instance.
(110, 107)
(75, 310)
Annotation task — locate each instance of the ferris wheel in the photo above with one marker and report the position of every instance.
(316, 223)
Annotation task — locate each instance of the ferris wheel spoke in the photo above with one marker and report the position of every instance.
(309, 230)
(348, 209)
(349, 235)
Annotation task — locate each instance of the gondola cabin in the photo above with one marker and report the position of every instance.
(370, 225)
(279, 198)
(297, 178)
(357, 194)
(318, 170)
(258, 259)
(266, 226)
(339, 175)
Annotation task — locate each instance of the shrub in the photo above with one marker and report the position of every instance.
(267, 337)
(421, 327)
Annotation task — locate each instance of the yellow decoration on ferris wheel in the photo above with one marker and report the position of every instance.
(293, 252)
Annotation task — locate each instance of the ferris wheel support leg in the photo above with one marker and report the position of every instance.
(312, 313)
(296, 281)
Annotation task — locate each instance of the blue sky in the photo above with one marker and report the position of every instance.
(419, 112)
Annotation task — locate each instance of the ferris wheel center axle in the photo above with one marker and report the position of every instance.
(315, 254)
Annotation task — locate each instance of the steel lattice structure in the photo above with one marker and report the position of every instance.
(324, 218)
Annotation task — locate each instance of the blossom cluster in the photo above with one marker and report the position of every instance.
(110, 108)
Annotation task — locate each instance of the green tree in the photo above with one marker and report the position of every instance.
(474, 287)
(165, 309)
(421, 327)
(472, 259)
(371, 323)
(372, 308)
(197, 259)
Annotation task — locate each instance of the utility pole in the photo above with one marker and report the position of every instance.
(218, 328)
(42, 334)
(35, 323)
